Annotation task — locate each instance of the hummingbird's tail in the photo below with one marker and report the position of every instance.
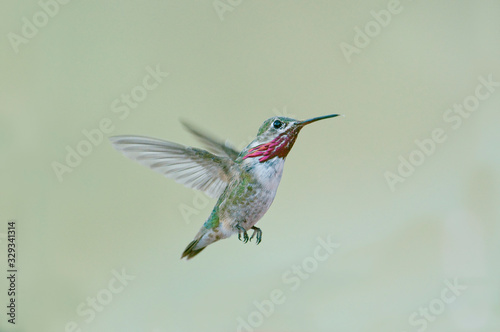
(190, 250)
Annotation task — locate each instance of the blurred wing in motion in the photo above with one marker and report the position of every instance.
(213, 145)
(194, 168)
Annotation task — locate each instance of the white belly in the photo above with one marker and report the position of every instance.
(256, 204)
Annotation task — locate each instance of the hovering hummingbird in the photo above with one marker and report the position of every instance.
(244, 183)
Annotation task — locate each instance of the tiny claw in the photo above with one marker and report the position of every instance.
(257, 232)
(245, 234)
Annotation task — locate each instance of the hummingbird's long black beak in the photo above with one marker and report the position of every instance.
(306, 122)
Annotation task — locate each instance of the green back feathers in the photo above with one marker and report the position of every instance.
(213, 220)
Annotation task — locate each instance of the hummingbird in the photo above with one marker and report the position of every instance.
(244, 183)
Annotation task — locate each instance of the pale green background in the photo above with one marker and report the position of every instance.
(265, 57)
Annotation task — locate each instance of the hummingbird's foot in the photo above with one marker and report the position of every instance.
(245, 234)
(256, 232)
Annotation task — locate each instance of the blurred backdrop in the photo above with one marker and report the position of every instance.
(386, 219)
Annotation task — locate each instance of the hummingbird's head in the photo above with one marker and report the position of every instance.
(276, 137)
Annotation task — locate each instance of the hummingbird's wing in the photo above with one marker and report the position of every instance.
(213, 145)
(194, 168)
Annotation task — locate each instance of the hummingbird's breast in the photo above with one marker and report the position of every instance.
(249, 197)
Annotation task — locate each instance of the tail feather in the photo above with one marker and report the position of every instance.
(190, 252)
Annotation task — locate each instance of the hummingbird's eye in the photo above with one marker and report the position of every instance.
(277, 124)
